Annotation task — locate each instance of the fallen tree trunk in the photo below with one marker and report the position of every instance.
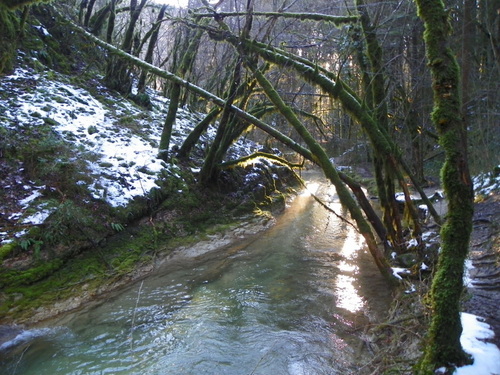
(331, 173)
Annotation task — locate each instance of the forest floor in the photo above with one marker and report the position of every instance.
(397, 343)
(483, 297)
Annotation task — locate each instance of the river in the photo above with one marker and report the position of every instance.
(292, 300)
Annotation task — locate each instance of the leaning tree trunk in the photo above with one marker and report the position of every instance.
(175, 94)
(330, 172)
(196, 133)
(155, 32)
(339, 90)
(208, 173)
(443, 347)
(221, 103)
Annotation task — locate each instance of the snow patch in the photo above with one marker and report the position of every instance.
(486, 355)
(398, 271)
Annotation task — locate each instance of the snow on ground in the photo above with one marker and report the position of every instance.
(486, 355)
(487, 183)
(475, 330)
(119, 138)
(124, 139)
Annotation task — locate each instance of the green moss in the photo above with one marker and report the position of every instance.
(443, 344)
(6, 250)
(9, 23)
(49, 121)
(13, 278)
(125, 251)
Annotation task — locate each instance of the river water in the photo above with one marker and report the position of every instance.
(292, 300)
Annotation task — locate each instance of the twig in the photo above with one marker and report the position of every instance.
(19, 360)
(133, 317)
(324, 205)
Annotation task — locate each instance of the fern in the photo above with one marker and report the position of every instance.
(117, 227)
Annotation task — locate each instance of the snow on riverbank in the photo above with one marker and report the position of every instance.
(120, 141)
(486, 355)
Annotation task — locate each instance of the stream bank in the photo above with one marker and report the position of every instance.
(213, 217)
(397, 343)
(291, 300)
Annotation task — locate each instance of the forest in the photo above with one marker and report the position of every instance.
(395, 103)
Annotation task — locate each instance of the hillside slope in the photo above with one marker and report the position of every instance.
(85, 200)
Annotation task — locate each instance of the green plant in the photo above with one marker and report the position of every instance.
(27, 243)
(8, 35)
(117, 227)
(68, 223)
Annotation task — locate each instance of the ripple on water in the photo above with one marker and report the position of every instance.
(287, 304)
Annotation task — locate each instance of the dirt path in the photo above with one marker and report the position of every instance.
(485, 256)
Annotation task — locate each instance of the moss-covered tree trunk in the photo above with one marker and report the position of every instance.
(443, 347)
(154, 32)
(196, 133)
(340, 91)
(175, 92)
(111, 21)
(386, 166)
(244, 116)
(9, 23)
(117, 71)
(209, 170)
(330, 172)
(90, 8)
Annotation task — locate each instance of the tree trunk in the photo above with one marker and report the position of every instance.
(443, 342)
(151, 46)
(208, 172)
(196, 133)
(111, 22)
(175, 95)
(117, 71)
(245, 116)
(9, 24)
(90, 7)
(83, 6)
(340, 91)
(331, 173)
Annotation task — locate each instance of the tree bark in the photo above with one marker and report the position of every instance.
(330, 172)
(151, 46)
(117, 71)
(196, 133)
(443, 343)
(209, 170)
(175, 95)
(336, 20)
(9, 23)
(90, 8)
(243, 115)
(111, 21)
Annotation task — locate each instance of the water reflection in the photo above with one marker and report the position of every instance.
(281, 304)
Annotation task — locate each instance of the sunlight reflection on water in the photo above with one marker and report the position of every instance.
(279, 307)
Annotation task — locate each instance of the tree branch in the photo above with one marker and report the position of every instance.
(336, 20)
